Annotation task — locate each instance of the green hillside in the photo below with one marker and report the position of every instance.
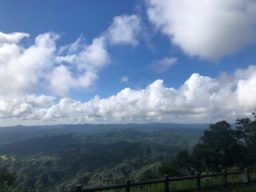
(61, 161)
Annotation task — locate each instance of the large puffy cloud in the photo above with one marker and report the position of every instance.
(79, 66)
(209, 29)
(199, 99)
(246, 87)
(31, 69)
(23, 67)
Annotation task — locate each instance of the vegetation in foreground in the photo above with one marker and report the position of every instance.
(221, 146)
(58, 163)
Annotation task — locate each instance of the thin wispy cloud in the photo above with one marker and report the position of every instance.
(163, 65)
(124, 79)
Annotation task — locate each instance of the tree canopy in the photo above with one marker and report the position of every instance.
(221, 146)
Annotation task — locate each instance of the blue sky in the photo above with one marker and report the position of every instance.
(130, 61)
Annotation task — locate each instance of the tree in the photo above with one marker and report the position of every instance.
(221, 146)
(6, 180)
(217, 148)
(6, 177)
(246, 129)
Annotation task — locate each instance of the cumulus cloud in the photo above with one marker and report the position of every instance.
(24, 107)
(124, 30)
(199, 99)
(164, 64)
(208, 29)
(79, 65)
(46, 68)
(246, 87)
(32, 68)
(23, 67)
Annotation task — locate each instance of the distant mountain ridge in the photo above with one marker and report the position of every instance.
(20, 133)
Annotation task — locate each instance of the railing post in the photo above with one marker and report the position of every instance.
(198, 181)
(128, 186)
(166, 183)
(225, 175)
(79, 188)
(246, 176)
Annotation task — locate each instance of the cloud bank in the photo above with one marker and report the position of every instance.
(199, 99)
(209, 29)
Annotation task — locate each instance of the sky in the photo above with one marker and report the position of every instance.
(136, 61)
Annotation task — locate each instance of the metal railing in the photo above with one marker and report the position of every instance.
(166, 181)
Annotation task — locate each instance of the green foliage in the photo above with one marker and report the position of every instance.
(220, 146)
(246, 129)
(6, 180)
(216, 148)
(6, 177)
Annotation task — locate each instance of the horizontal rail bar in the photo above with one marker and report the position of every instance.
(182, 178)
(148, 182)
(157, 181)
(105, 187)
(221, 174)
(125, 185)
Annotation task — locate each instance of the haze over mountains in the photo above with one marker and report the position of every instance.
(19, 133)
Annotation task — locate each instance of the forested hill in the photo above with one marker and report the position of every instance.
(59, 160)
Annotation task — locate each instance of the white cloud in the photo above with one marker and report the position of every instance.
(246, 87)
(87, 60)
(209, 29)
(12, 38)
(23, 68)
(124, 30)
(199, 99)
(24, 107)
(33, 68)
(61, 80)
(164, 64)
